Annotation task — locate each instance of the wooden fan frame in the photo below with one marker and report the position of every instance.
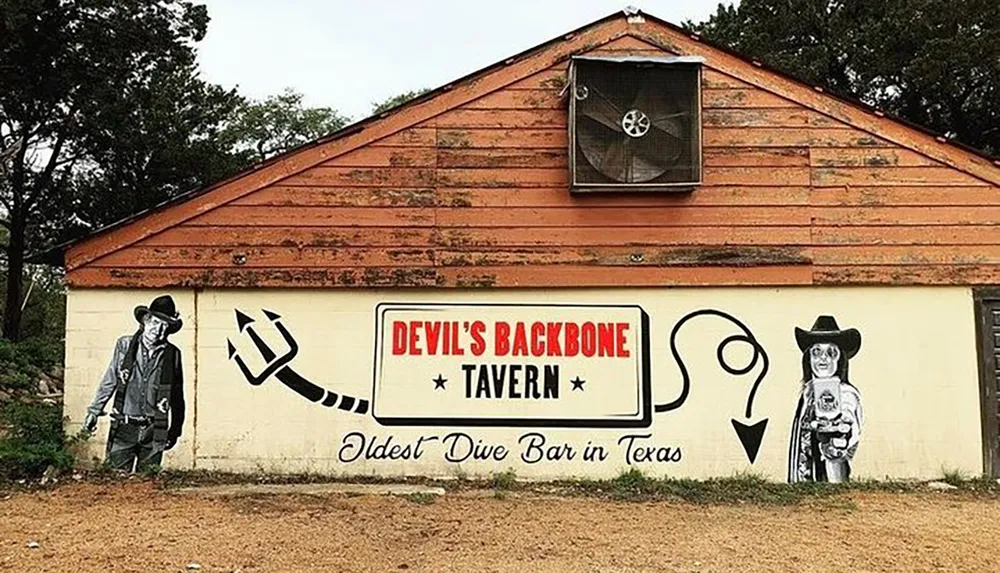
(578, 186)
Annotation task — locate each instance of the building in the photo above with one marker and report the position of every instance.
(521, 271)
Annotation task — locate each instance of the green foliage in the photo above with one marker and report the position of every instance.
(19, 365)
(633, 485)
(44, 321)
(504, 481)
(264, 128)
(954, 477)
(150, 470)
(102, 114)
(396, 100)
(32, 439)
(933, 62)
(422, 498)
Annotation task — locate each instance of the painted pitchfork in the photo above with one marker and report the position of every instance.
(278, 366)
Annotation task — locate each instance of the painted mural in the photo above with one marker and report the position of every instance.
(144, 381)
(581, 366)
(826, 428)
(681, 382)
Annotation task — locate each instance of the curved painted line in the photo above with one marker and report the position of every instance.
(747, 337)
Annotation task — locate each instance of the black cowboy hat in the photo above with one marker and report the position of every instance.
(161, 307)
(825, 329)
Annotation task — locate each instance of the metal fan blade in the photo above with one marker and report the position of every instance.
(655, 154)
(671, 124)
(616, 160)
(601, 110)
(662, 113)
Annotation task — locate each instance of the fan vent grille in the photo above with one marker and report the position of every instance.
(635, 124)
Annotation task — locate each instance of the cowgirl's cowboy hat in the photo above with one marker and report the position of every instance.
(825, 329)
(162, 307)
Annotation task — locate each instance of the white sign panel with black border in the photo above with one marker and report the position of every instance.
(512, 365)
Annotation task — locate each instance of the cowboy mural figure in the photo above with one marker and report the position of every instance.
(146, 379)
(827, 424)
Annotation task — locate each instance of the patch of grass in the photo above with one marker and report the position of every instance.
(151, 470)
(633, 485)
(966, 483)
(504, 481)
(422, 498)
(955, 477)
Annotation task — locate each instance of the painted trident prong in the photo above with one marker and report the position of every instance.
(279, 368)
(274, 362)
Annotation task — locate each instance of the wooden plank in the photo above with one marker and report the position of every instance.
(872, 157)
(795, 117)
(526, 177)
(742, 98)
(714, 79)
(362, 177)
(243, 215)
(877, 176)
(412, 137)
(508, 157)
(908, 275)
(986, 305)
(906, 196)
(622, 217)
(788, 137)
(907, 255)
(298, 237)
(399, 277)
(753, 176)
(627, 52)
(375, 156)
(560, 197)
(285, 196)
(503, 138)
(628, 43)
(755, 157)
(503, 119)
(590, 276)
(502, 237)
(525, 276)
(520, 99)
(928, 216)
(553, 78)
(265, 257)
(701, 255)
(910, 235)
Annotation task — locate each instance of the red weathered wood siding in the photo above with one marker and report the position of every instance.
(477, 196)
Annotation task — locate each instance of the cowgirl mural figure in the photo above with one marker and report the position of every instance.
(827, 424)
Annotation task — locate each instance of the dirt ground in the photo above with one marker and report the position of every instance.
(136, 527)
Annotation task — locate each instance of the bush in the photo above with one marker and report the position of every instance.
(33, 439)
(17, 372)
(504, 481)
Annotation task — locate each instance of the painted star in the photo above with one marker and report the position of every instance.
(577, 383)
(439, 382)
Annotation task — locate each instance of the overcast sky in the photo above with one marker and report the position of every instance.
(348, 54)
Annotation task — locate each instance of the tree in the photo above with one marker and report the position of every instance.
(106, 115)
(399, 99)
(263, 128)
(933, 62)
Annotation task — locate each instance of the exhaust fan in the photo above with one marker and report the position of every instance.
(635, 123)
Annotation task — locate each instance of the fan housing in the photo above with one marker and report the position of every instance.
(635, 123)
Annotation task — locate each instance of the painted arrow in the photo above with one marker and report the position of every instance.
(750, 435)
